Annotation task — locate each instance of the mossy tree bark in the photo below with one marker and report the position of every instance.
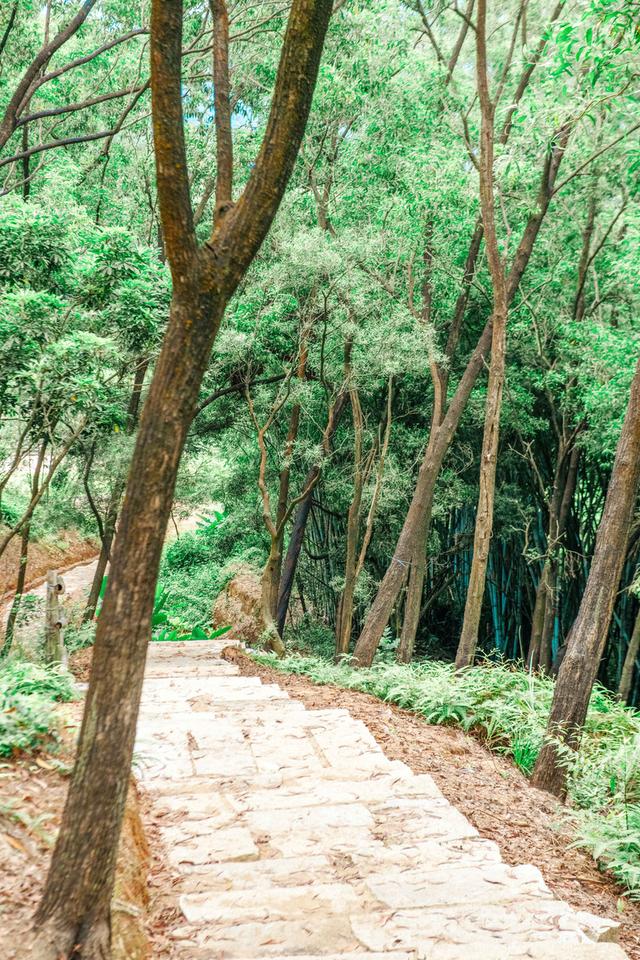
(73, 916)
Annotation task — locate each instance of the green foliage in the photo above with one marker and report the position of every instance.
(309, 636)
(27, 694)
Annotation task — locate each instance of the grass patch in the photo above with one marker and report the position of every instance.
(508, 709)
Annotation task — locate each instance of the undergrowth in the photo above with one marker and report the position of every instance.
(28, 692)
(508, 709)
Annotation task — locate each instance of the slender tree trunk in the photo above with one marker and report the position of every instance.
(24, 556)
(543, 592)
(420, 507)
(589, 632)
(17, 600)
(626, 677)
(301, 515)
(564, 485)
(484, 516)
(111, 517)
(495, 387)
(344, 620)
(395, 577)
(110, 523)
(273, 569)
(546, 583)
(440, 373)
(413, 601)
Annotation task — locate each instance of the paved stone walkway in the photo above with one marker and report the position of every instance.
(291, 834)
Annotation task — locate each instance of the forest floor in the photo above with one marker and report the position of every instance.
(488, 789)
(32, 795)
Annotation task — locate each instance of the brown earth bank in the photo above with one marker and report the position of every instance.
(487, 788)
(66, 550)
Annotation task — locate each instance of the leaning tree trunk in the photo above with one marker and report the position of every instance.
(106, 544)
(111, 518)
(73, 918)
(421, 505)
(588, 635)
(396, 574)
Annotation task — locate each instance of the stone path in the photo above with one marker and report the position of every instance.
(291, 834)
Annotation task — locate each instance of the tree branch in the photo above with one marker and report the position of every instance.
(222, 105)
(238, 235)
(168, 134)
(7, 126)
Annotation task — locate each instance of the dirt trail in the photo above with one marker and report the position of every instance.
(288, 832)
(526, 823)
(78, 577)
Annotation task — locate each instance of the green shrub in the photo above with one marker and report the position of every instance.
(312, 637)
(27, 694)
(189, 550)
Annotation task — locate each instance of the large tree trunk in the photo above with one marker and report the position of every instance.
(76, 902)
(269, 596)
(626, 677)
(74, 915)
(589, 632)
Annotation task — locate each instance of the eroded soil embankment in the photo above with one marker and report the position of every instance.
(67, 550)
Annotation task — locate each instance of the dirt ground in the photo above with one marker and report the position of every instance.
(32, 794)
(487, 788)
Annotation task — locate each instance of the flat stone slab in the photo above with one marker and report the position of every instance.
(188, 847)
(290, 834)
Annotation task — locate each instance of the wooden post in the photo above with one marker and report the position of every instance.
(54, 619)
